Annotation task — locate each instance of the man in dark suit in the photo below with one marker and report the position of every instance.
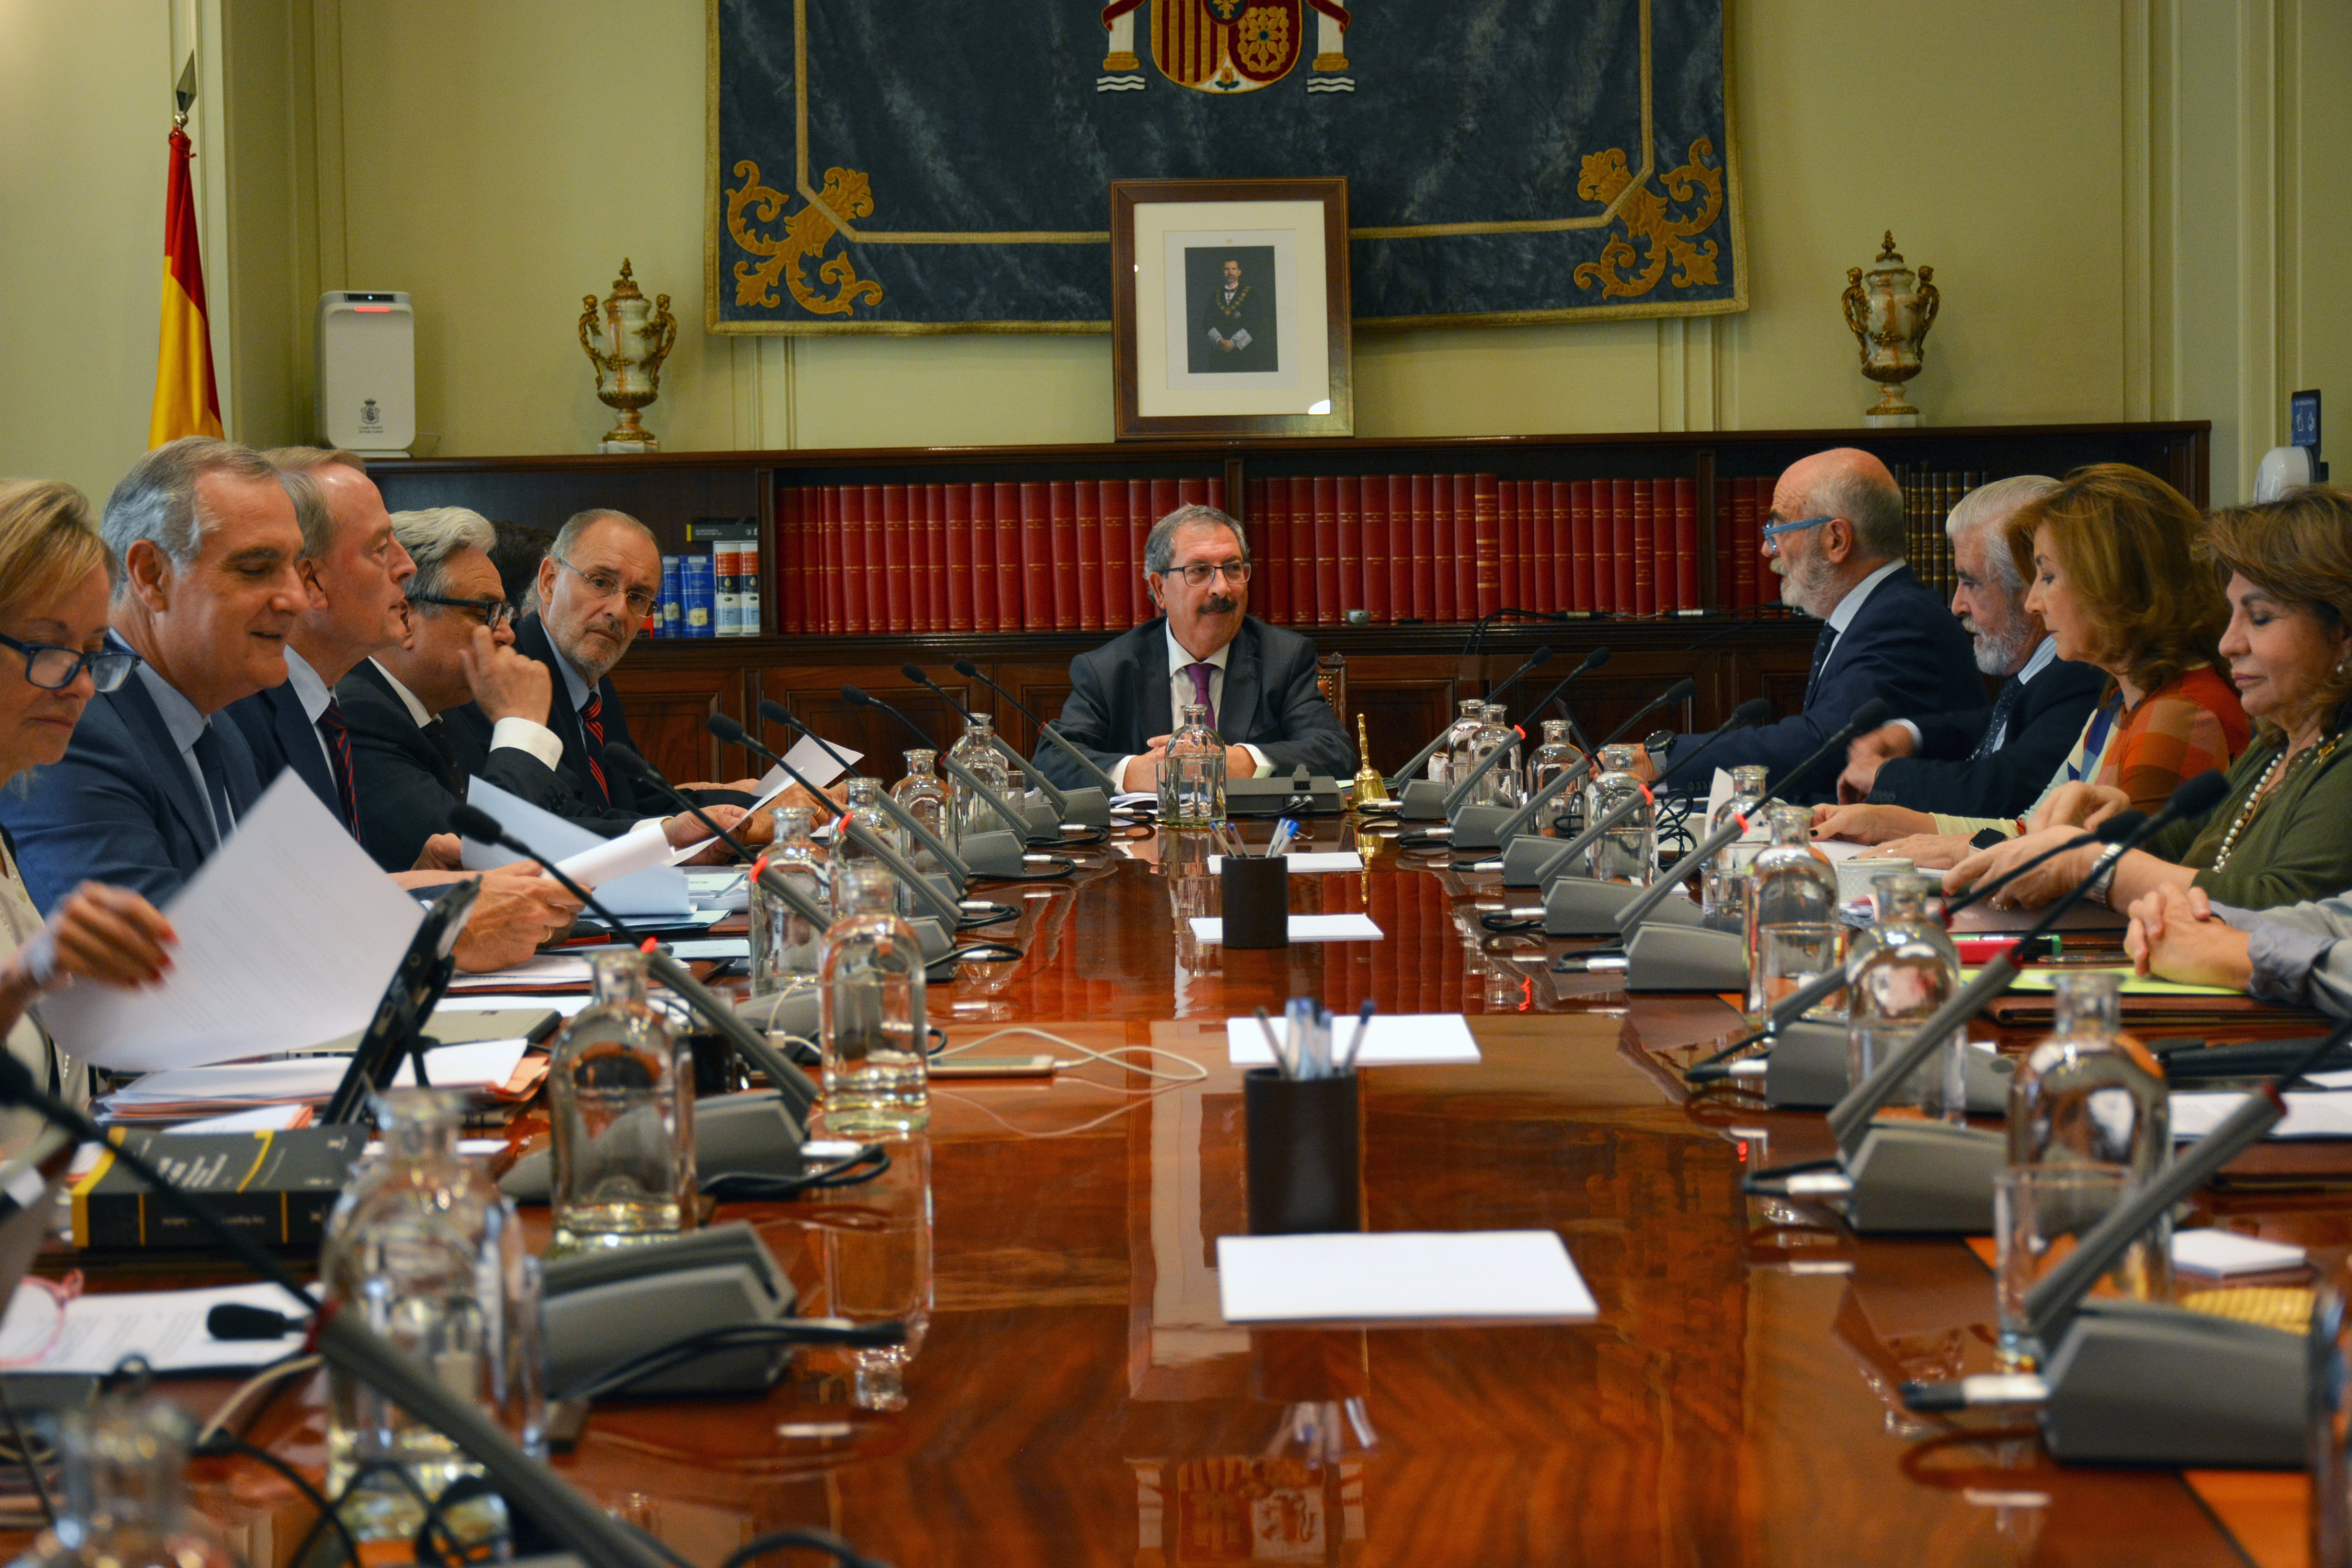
(1234, 333)
(1258, 680)
(155, 778)
(1992, 761)
(1835, 540)
(352, 568)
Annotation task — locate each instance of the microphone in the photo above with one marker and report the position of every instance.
(472, 822)
(1850, 1118)
(959, 870)
(1056, 796)
(1086, 764)
(858, 697)
(2113, 830)
(345, 1341)
(729, 732)
(643, 775)
(1536, 660)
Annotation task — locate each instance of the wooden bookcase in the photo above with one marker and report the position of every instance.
(1404, 678)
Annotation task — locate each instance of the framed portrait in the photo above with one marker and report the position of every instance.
(1229, 308)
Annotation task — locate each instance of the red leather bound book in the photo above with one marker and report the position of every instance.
(1036, 557)
(1620, 545)
(1062, 500)
(869, 553)
(1087, 501)
(787, 559)
(1299, 536)
(901, 550)
(1324, 489)
(1746, 540)
(1422, 520)
(1164, 498)
(1012, 564)
(1550, 560)
(1446, 552)
(1139, 608)
(1487, 539)
(1524, 569)
(1511, 585)
(855, 578)
(837, 558)
(1645, 549)
(1373, 502)
(1583, 546)
(1217, 491)
(1351, 492)
(935, 556)
(1466, 546)
(821, 573)
(1118, 540)
(981, 501)
(1727, 595)
(1687, 544)
(1265, 598)
(1194, 491)
(961, 613)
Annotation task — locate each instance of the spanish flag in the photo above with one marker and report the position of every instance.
(187, 401)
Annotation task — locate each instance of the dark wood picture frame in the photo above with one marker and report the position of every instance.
(1128, 424)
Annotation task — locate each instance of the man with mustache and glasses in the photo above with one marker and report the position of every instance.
(1258, 681)
(1994, 762)
(1835, 540)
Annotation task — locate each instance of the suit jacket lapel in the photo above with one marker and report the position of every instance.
(1237, 714)
(1148, 697)
(145, 721)
(300, 743)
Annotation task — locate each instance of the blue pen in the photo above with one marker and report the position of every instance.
(1356, 1040)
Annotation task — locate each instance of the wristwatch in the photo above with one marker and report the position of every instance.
(2103, 874)
(1658, 740)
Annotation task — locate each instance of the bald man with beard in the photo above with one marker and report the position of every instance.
(1834, 539)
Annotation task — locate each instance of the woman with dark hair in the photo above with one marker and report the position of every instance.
(2278, 837)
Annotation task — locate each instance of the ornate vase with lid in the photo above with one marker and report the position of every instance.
(1889, 309)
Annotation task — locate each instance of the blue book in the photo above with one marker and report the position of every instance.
(699, 595)
(673, 609)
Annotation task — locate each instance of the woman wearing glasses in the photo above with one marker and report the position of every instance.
(2111, 566)
(55, 577)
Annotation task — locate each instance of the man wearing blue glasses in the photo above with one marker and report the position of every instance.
(1835, 540)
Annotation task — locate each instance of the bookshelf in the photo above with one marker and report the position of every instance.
(1404, 674)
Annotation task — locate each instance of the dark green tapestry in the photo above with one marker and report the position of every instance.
(944, 165)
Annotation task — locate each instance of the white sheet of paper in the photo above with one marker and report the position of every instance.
(2225, 1252)
(565, 1005)
(2307, 1115)
(260, 1119)
(288, 937)
(775, 784)
(477, 1064)
(546, 969)
(711, 947)
(1303, 928)
(1395, 1039)
(1395, 1276)
(1302, 863)
(167, 1327)
(814, 763)
(656, 890)
(610, 859)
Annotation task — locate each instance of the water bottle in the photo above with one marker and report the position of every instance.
(784, 944)
(1626, 852)
(126, 1490)
(1500, 786)
(1193, 775)
(620, 1092)
(1793, 930)
(1902, 969)
(429, 1253)
(870, 1021)
(1557, 754)
(976, 751)
(2089, 1093)
(1722, 892)
(923, 794)
(1446, 763)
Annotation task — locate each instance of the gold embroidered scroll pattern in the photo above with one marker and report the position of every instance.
(1621, 272)
(806, 234)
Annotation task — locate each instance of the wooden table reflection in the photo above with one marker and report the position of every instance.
(1079, 1398)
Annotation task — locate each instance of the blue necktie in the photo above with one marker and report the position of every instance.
(210, 763)
(1822, 647)
(1997, 727)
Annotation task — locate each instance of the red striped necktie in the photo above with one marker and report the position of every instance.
(592, 722)
(338, 736)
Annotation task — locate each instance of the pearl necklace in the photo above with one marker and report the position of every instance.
(2261, 793)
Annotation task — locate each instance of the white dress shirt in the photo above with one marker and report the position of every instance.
(527, 735)
(185, 726)
(1180, 694)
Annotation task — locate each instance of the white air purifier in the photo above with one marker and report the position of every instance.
(367, 372)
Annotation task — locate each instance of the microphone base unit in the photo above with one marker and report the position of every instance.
(1421, 800)
(1279, 795)
(1479, 826)
(751, 1132)
(1087, 809)
(606, 1307)
(1045, 822)
(1662, 957)
(1529, 861)
(995, 853)
(1580, 905)
(1807, 1070)
(1924, 1178)
(2140, 1382)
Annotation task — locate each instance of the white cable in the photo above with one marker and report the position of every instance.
(266, 1377)
(1115, 1056)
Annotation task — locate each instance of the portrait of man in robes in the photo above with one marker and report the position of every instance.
(1231, 300)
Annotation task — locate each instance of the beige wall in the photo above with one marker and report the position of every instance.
(2116, 197)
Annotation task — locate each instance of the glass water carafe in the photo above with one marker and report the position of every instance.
(922, 794)
(878, 1268)
(126, 1488)
(1723, 885)
(1901, 970)
(1193, 774)
(620, 1092)
(784, 944)
(870, 1017)
(975, 751)
(1627, 852)
(429, 1253)
(1557, 754)
(1443, 762)
(2090, 1093)
(1793, 930)
(1500, 784)
(862, 805)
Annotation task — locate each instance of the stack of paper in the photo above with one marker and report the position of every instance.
(164, 1327)
(489, 1067)
(1400, 1276)
(631, 875)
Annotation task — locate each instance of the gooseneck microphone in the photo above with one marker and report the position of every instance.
(1086, 764)
(729, 732)
(472, 822)
(643, 775)
(993, 854)
(1536, 660)
(1059, 798)
(858, 697)
(958, 869)
(1593, 661)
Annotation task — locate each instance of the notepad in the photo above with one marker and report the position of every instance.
(1303, 928)
(1400, 1276)
(716, 947)
(477, 1064)
(1304, 864)
(2133, 984)
(1395, 1039)
(165, 1327)
(2225, 1252)
(545, 969)
(2307, 1115)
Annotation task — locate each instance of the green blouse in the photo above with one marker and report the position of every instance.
(2297, 846)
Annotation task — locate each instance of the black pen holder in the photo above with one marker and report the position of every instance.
(1257, 901)
(1304, 1153)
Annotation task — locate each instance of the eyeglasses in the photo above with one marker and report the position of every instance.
(605, 585)
(1773, 530)
(1198, 573)
(495, 613)
(53, 668)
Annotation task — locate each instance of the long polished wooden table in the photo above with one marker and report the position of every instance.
(1077, 1397)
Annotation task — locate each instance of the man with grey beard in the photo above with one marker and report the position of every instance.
(1995, 761)
(1835, 540)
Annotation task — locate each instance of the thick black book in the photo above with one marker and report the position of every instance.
(276, 1187)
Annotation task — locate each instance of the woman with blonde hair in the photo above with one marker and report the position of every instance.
(2277, 836)
(56, 579)
(2111, 561)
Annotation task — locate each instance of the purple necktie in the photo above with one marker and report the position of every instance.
(1199, 674)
